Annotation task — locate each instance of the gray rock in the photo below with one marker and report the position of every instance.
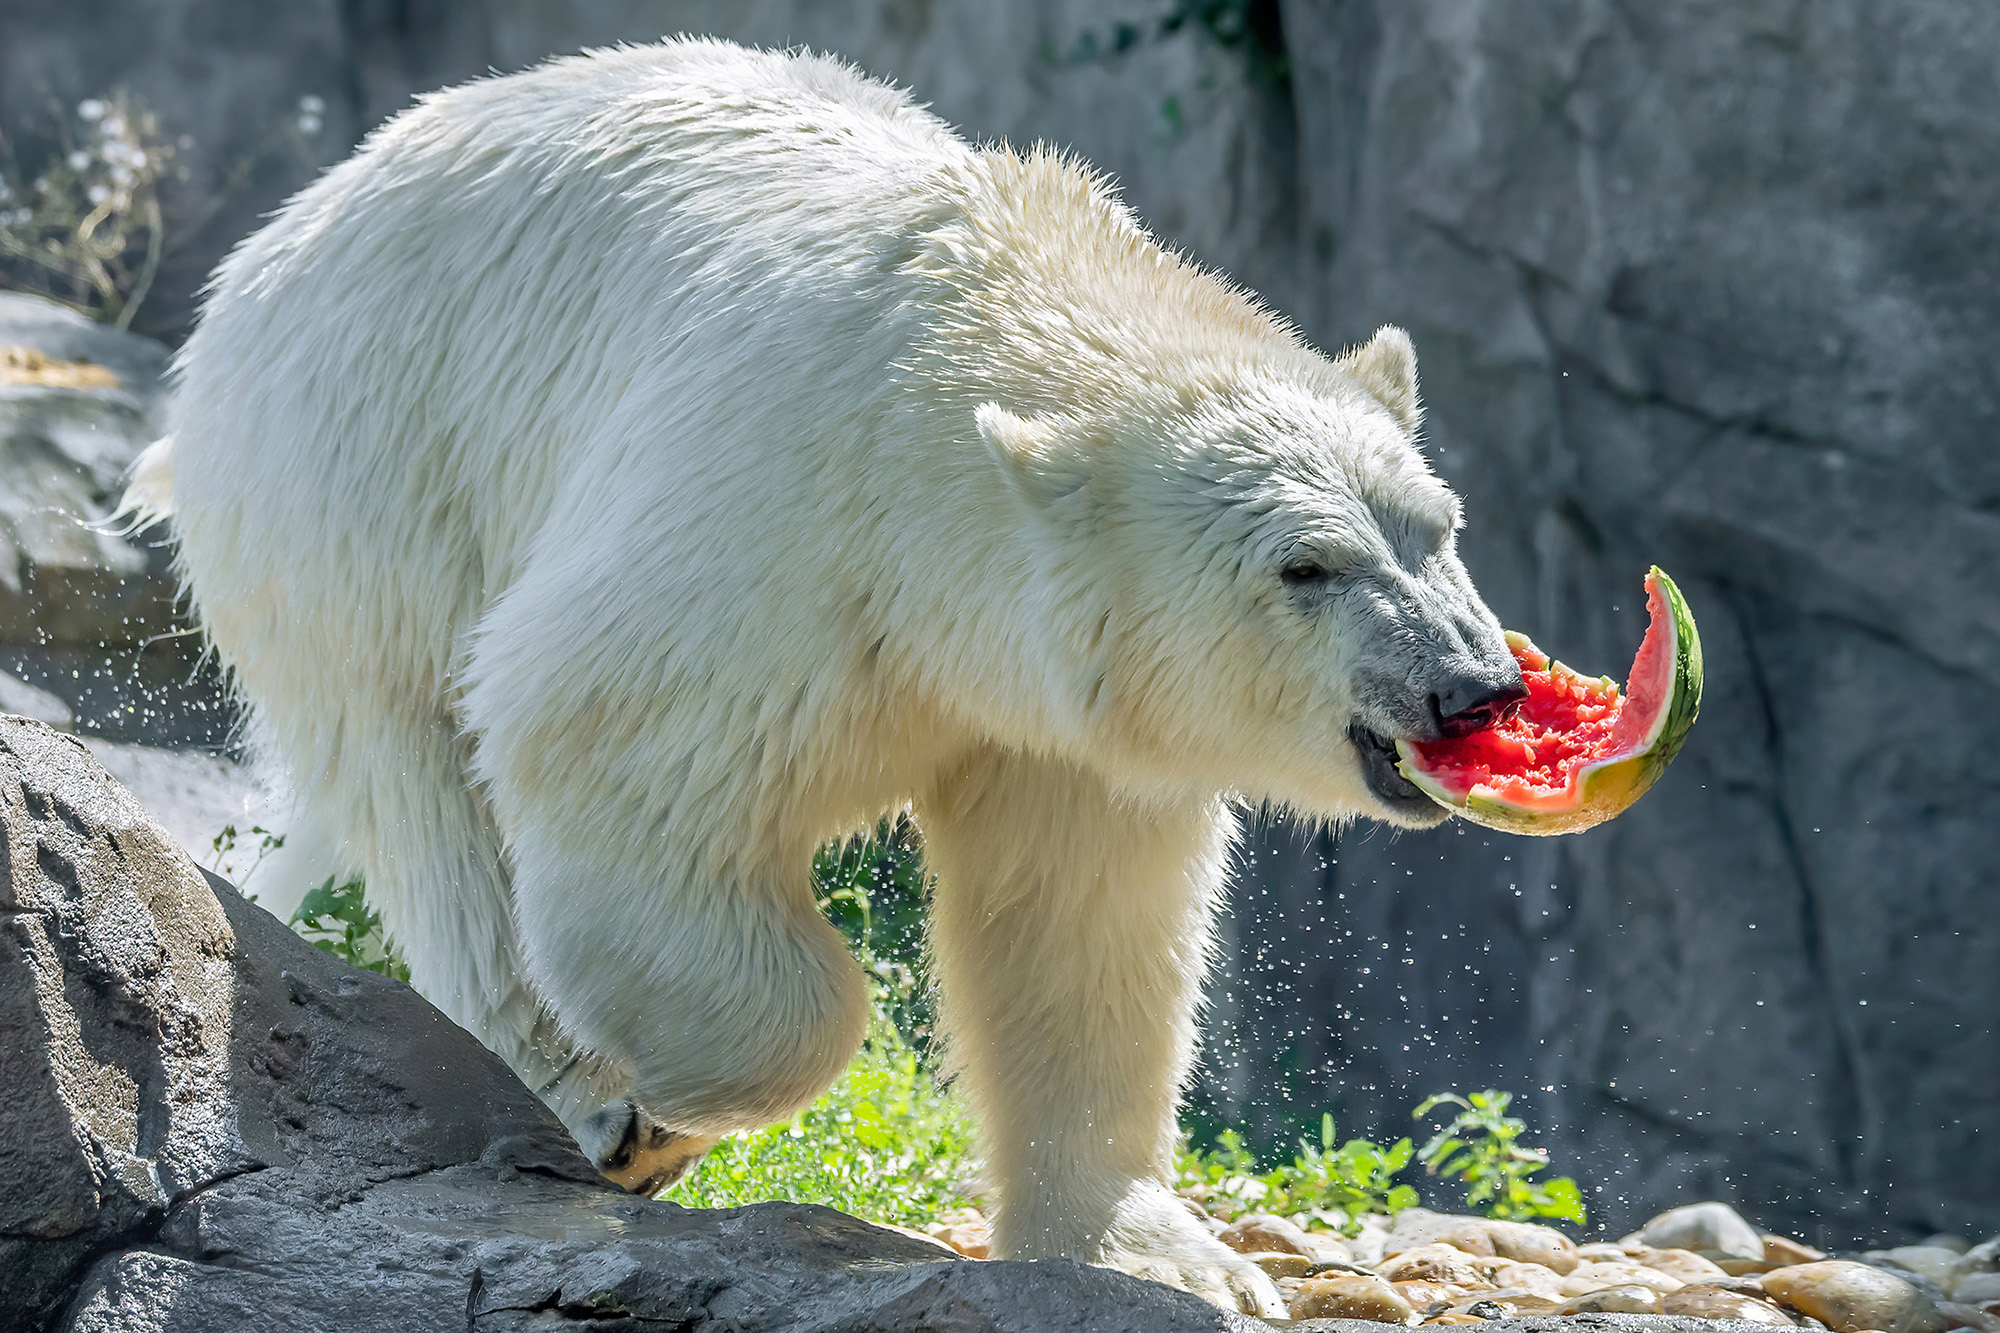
(1976, 1288)
(210, 1125)
(1704, 1227)
(193, 795)
(63, 453)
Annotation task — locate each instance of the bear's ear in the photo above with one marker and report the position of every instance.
(1386, 366)
(1037, 454)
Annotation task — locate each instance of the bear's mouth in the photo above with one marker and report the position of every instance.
(1378, 769)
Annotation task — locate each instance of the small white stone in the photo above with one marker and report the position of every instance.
(1932, 1262)
(1711, 1226)
(1976, 1288)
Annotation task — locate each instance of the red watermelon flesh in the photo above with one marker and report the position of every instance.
(1533, 758)
(1577, 751)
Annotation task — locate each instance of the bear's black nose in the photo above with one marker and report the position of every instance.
(1473, 703)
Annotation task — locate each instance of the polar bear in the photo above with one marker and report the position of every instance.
(618, 478)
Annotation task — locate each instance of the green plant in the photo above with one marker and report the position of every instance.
(885, 1143)
(225, 845)
(873, 889)
(1338, 1184)
(1480, 1148)
(86, 229)
(336, 919)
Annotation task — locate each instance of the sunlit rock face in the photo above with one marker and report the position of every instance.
(1709, 287)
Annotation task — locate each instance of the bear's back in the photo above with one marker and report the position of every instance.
(602, 268)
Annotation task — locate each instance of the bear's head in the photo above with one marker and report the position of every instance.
(1272, 571)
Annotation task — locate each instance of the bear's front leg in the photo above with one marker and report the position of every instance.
(1071, 934)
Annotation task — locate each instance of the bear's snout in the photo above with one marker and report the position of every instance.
(1467, 702)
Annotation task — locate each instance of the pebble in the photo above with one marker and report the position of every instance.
(914, 1234)
(1265, 1233)
(1854, 1298)
(1783, 1250)
(1418, 1227)
(1683, 1264)
(1712, 1226)
(974, 1240)
(1586, 1278)
(1279, 1264)
(1509, 1301)
(1600, 1252)
(1346, 1296)
(1931, 1261)
(1628, 1298)
(1715, 1303)
(1538, 1278)
(1986, 1320)
(1982, 1258)
(1976, 1288)
(1430, 1295)
(1431, 1263)
(1527, 1243)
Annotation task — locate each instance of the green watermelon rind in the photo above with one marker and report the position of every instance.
(1607, 788)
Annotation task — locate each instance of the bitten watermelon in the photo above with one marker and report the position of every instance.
(1576, 752)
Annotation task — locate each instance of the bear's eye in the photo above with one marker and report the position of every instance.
(1305, 573)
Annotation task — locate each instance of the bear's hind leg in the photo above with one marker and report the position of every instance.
(401, 808)
(1071, 933)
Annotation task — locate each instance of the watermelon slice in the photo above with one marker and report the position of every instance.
(1577, 752)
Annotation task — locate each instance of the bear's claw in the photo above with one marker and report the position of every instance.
(635, 1152)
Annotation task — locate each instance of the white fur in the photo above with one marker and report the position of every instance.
(620, 477)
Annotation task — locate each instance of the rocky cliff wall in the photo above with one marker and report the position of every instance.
(1709, 285)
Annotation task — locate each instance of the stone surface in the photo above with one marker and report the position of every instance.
(1710, 285)
(1784, 1250)
(193, 795)
(1704, 1226)
(1431, 1263)
(1347, 1296)
(1263, 1233)
(1683, 1264)
(1703, 1302)
(1625, 1298)
(209, 1126)
(1929, 1261)
(1428, 1296)
(1420, 1226)
(1850, 1297)
(1976, 1288)
(1586, 1323)
(1537, 1278)
(1589, 1277)
(1532, 1244)
(64, 445)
